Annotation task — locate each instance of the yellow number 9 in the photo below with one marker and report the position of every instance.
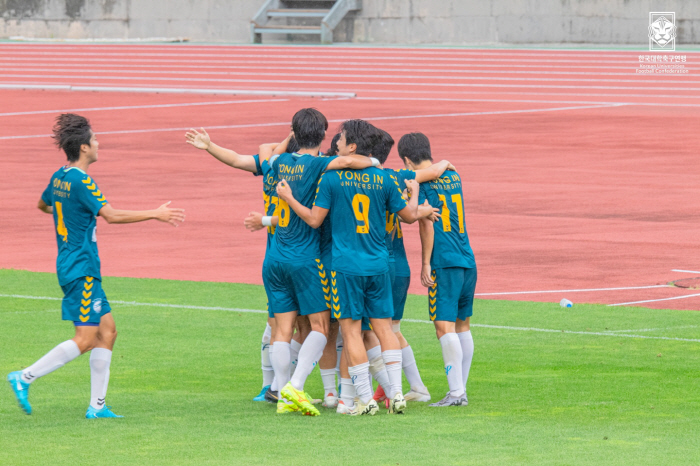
(362, 215)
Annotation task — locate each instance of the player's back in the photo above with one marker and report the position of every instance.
(451, 242)
(296, 241)
(358, 201)
(76, 201)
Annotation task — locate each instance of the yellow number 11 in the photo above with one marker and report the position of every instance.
(445, 214)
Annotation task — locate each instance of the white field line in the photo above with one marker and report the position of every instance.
(363, 83)
(685, 271)
(574, 290)
(170, 90)
(254, 311)
(403, 75)
(131, 107)
(286, 123)
(656, 300)
(314, 65)
(651, 329)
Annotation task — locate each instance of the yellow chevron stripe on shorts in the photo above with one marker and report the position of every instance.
(335, 309)
(432, 298)
(324, 283)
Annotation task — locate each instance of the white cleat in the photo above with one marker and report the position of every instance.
(450, 400)
(397, 404)
(418, 395)
(330, 401)
(361, 409)
(342, 408)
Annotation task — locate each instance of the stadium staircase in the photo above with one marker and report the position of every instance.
(295, 17)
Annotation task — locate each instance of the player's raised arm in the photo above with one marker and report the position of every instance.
(433, 172)
(234, 159)
(42, 206)
(313, 217)
(163, 213)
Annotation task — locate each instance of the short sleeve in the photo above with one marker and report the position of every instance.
(91, 196)
(258, 165)
(324, 161)
(323, 193)
(395, 200)
(46, 196)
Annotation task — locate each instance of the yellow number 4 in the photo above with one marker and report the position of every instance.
(60, 225)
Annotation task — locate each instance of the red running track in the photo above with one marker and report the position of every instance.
(581, 174)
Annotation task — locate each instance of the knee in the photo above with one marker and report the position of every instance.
(84, 344)
(321, 326)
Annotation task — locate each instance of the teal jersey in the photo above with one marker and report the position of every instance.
(451, 244)
(358, 201)
(76, 200)
(264, 169)
(295, 241)
(393, 222)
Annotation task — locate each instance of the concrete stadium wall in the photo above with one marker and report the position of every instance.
(379, 21)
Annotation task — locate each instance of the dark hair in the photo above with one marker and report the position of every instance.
(415, 147)
(361, 133)
(309, 126)
(382, 148)
(70, 132)
(292, 145)
(333, 150)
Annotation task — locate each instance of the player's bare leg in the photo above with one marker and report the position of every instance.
(327, 365)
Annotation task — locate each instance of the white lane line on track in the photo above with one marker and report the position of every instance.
(401, 117)
(574, 290)
(131, 107)
(685, 271)
(314, 56)
(170, 90)
(579, 102)
(656, 300)
(254, 311)
(313, 65)
(361, 83)
(404, 75)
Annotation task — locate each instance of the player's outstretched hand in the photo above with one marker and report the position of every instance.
(253, 221)
(425, 278)
(197, 139)
(284, 191)
(170, 215)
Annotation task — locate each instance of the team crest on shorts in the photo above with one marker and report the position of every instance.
(97, 305)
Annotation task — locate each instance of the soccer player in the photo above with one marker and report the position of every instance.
(398, 263)
(75, 201)
(358, 201)
(258, 165)
(448, 267)
(293, 273)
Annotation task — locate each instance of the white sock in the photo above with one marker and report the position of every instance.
(347, 392)
(54, 359)
(359, 376)
(281, 362)
(452, 355)
(408, 361)
(273, 386)
(267, 372)
(100, 359)
(328, 377)
(377, 368)
(339, 351)
(294, 348)
(309, 354)
(392, 361)
(467, 342)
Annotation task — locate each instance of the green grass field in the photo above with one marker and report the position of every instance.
(184, 379)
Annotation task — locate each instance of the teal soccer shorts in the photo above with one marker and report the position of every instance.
(452, 295)
(295, 287)
(84, 302)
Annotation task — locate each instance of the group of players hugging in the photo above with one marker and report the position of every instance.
(335, 269)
